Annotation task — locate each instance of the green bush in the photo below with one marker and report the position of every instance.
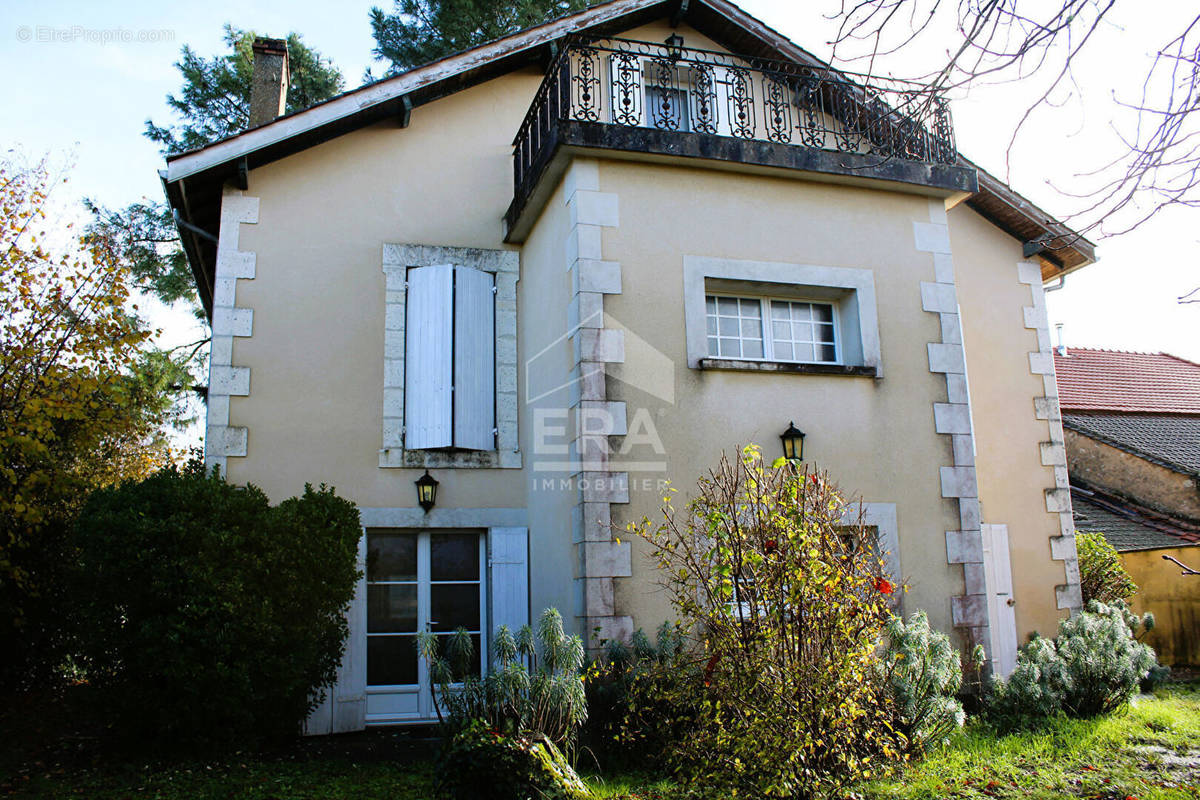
(481, 763)
(207, 614)
(1102, 576)
(1093, 667)
(784, 596)
(642, 698)
(544, 699)
(924, 673)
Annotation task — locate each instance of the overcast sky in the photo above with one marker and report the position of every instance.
(81, 78)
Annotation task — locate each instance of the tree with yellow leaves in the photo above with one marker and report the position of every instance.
(79, 404)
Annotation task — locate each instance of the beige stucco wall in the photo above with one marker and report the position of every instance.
(1174, 599)
(1012, 479)
(1106, 467)
(868, 433)
(316, 356)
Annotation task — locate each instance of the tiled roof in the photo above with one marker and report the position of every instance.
(1170, 440)
(1110, 380)
(1126, 527)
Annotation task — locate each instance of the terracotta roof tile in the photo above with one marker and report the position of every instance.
(1111, 380)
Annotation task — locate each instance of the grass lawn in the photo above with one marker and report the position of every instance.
(1151, 752)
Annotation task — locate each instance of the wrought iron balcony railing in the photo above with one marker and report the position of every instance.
(670, 88)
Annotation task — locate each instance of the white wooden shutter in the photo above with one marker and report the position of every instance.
(344, 708)
(474, 359)
(428, 372)
(508, 578)
(1002, 618)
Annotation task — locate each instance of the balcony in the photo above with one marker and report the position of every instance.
(665, 102)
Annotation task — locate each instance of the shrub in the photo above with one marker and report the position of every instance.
(480, 763)
(923, 672)
(1094, 667)
(642, 698)
(546, 699)
(785, 601)
(1102, 576)
(208, 614)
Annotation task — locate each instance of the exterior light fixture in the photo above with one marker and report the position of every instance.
(675, 46)
(426, 491)
(793, 443)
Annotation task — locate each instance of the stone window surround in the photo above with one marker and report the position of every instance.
(859, 282)
(505, 265)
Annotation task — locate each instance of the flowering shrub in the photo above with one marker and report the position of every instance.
(784, 599)
(1094, 667)
(1102, 576)
(923, 672)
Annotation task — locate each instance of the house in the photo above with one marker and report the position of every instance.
(1132, 431)
(560, 270)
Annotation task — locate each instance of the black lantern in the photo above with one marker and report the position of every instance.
(426, 491)
(793, 443)
(675, 46)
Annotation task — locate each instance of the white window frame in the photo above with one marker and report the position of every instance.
(424, 584)
(857, 331)
(766, 328)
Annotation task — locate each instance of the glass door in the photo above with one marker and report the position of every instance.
(419, 580)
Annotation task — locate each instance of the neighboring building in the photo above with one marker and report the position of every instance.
(699, 234)
(1132, 424)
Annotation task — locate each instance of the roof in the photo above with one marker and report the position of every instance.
(1129, 527)
(1112, 380)
(193, 180)
(1169, 440)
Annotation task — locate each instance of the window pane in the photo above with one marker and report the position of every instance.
(454, 556)
(752, 349)
(391, 608)
(454, 605)
(729, 327)
(783, 351)
(472, 665)
(828, 352)
(728, 306)
(731, 347)
(391, 556)
(822, 312)
(751, 329)
(710, 303)
(801, 311)
(391, 660)
(780, 310)
(782, 330)
(712, 324)
(713, 347)
(751, 309)
(825, 333)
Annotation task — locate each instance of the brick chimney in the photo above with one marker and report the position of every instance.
(269, 81)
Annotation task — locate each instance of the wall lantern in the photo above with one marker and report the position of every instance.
(793, 443)
(675, 46)
(426, 491)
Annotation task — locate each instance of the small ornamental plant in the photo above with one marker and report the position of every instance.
(782, 593)
(1102, 576)
(1094, 666)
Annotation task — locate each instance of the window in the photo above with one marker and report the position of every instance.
(771, 329)
(419, 580)
(667, 108)
(449, 359)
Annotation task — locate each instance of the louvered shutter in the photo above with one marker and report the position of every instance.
(474, 359)
(428, 343)
(508, 577)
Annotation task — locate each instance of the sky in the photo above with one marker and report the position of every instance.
(82, 78)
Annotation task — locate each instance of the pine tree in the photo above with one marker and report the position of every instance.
(419, 31)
